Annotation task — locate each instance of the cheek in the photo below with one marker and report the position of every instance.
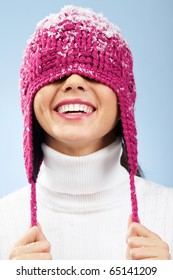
(37, 100)
(40, 104)
(111, 107)
(39, 111)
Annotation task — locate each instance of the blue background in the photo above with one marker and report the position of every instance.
(147, 26)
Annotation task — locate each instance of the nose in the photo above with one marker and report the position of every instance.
(75, 82)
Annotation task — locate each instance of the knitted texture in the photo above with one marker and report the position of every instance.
(77, 40)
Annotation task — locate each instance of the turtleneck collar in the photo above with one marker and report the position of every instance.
(88, 174)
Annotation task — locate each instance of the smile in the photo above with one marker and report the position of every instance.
(74, 109)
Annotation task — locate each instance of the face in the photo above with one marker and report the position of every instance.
(78, 115)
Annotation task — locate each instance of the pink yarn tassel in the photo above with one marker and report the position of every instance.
(134, 203)
(33, 205)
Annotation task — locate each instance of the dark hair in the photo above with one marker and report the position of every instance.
(124, 158)
(39, 138)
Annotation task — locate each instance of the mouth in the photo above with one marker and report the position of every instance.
(74, 107)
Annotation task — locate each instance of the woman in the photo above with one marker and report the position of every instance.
(77, 97)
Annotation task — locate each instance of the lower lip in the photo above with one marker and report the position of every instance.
(74, 117)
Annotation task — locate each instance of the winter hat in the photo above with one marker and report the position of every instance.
(77, 40)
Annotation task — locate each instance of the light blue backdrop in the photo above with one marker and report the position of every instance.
(147, 25)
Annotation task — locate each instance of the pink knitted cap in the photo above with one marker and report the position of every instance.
(77, 40)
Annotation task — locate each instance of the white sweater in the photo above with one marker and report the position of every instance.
(83, 206)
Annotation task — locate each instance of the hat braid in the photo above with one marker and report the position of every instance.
(129, 132)
(33, 204)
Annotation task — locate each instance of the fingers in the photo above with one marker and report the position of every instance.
(37, 256)
(32, 235)
(142, 243)
(137, 229)
(33, 245)
(35, 248)
(145, 253)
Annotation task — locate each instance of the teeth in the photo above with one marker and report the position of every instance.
(74, 108)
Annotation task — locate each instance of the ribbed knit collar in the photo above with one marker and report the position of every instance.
(82, 174)
(85, 183)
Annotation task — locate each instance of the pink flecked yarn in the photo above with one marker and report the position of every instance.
(78, 40)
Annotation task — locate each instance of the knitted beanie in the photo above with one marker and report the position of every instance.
(77, 40)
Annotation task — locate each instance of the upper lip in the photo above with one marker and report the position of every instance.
(74, 101)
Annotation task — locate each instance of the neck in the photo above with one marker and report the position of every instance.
(80, 148)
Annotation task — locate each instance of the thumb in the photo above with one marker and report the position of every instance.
(129, 220)
(40, 235)
(131, 229)
(33, 234)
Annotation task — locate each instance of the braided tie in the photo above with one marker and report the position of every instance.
(134, 203)
(33, 202)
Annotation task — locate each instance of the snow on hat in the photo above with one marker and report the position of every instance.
(77, 40)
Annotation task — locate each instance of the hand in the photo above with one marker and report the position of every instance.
(143, 244)
(32, 246)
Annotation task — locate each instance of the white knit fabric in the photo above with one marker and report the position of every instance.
(83, 206)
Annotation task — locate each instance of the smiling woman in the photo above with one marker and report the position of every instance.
(59, 109)
(77, 97)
